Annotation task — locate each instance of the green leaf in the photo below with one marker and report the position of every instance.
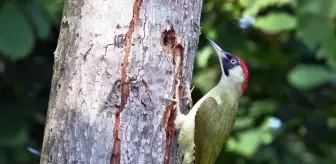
(243, 122)
(54, 9)
(266, 154)
(254, 6)
(313, 29)
(318, 7)
(206, 79)
(317, 29)
(276, 22)
(332, 122)
(328, 50)
(203, 56)
(2, 2)
(333, 9)
(36, 14)
(16, 140)
(3, 156)
(261, 107)
(247, 143)
(17, 38)
(308, 76)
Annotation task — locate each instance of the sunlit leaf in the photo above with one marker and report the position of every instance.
(308, 76)
(275, 23)
(254, 6)
(243, 122)
(203, 56)
(247, 142)
(332, 122)
(333, 9)
(206, 79)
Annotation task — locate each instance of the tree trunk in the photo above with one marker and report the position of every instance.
(114, 64)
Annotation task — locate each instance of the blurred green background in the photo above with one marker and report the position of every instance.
(287, 114)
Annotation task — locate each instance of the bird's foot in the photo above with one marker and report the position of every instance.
(179, 115)
(189, 91)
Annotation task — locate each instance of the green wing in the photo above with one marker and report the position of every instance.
(213, 126)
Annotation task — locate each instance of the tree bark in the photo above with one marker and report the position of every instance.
(114, 64)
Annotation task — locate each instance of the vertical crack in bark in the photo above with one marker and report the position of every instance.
(169, 127)
(124, 90)
(171, 46)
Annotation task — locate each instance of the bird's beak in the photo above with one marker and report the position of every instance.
(219, 51)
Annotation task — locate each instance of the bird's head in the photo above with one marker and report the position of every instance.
(234, 69)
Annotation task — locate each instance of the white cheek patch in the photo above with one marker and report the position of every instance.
(237, 75)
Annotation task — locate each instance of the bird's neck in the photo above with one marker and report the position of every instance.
(228, 85)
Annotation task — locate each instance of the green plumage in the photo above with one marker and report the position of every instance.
(211, 126)
(207, 126)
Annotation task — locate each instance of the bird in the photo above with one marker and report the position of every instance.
(204, 130)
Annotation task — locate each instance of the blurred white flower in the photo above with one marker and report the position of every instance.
(274, 123)
(246, 22)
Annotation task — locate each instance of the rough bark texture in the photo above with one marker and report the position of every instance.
(114, 63)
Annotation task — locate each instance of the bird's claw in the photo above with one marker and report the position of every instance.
(180, 117)
(177, 98)
(189, 97)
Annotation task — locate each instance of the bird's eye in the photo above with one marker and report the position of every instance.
(233, 61)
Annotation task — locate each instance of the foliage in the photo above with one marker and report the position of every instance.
(287, 114)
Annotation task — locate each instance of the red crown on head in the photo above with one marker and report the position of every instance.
(246, 74)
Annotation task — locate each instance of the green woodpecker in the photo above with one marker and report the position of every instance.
(207, 126)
